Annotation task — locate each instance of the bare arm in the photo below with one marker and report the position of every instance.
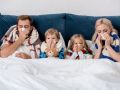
(99, 50)
(8, 49)
(113, 54)
(97, 54)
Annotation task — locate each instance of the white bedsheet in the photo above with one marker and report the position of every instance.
(56, 74)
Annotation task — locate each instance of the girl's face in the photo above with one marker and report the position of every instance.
(102, 29)
(78, 44)
(51, 38)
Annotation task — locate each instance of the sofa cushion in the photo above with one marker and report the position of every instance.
(77, 24)
(44, 22)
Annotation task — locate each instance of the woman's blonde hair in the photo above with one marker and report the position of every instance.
(104, 21)
(52, 31)
(71, 41)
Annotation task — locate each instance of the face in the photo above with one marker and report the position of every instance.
(51, 38)
(78, 43)
(24, 25)
(102, 29)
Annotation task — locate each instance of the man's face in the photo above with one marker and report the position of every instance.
(24, 24)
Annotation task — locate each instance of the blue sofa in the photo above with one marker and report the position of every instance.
(67, 24)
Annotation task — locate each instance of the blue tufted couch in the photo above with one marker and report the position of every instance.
(67, 24)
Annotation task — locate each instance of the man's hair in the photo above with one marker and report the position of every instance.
(24, 17)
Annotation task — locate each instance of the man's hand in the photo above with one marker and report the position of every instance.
(23, 55)
(23, 34)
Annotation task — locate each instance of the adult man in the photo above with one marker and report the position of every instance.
(21, 40)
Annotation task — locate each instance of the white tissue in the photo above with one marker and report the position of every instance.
(102, 35)
(23, 29)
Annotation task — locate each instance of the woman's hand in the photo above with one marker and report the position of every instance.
(98, 41)
(107, 40)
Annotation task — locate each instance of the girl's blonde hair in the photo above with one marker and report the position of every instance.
(104, 21)
(71, 42)
(52, 31)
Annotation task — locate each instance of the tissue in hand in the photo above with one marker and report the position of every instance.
(23, 29)
(102, 35)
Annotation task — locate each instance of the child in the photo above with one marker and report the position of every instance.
(104, 31)
(77, 48)
(53, 46)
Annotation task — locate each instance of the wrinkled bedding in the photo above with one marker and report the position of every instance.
(56, 74)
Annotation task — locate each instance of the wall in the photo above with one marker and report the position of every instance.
(83, 7)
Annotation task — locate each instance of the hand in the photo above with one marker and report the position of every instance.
(107, 40)
(98, 41)
(49, 44)
(53, 44)
(23, 34)
(23, 55)
(75, 48)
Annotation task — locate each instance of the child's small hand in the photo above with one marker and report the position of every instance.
(75, 48)
(53, 44)
(49, 44)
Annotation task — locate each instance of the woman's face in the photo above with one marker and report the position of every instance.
(102, 29)
(78, 44)
(51, 38)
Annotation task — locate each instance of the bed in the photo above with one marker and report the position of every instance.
(57, 74)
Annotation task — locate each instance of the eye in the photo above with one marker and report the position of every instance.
(26, 26)
(20, 26)
(48, 38)
(99, 31)
(53, 38)
(105, 30)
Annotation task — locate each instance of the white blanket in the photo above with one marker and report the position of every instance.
(56, 74)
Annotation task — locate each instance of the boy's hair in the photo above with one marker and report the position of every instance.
(52, 31)
(24, 17)
(72, 41)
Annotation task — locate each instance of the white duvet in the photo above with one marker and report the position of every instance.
(56, 74)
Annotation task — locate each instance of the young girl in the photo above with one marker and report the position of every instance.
(104, 31)
(77, 48)
(53, 46)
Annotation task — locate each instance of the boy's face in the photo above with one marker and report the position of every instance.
(102, 29)
(51, 39)
(24, 24)
(78, 44)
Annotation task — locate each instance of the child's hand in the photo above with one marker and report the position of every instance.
(53, 44)
(49, 44)
(75, 48)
